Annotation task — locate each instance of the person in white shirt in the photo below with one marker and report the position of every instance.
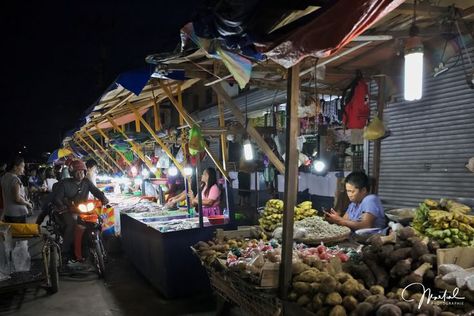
(49, 180)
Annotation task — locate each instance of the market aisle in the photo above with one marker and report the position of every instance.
(125, 293)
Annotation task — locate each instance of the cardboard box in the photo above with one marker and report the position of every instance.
(269, 275)
(462, 256)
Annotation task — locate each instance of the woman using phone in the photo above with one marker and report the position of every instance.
(365, 209)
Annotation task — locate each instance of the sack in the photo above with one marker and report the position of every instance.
(23, 230)
(21, 257)
(374, 130)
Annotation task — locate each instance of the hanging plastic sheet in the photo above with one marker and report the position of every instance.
(331, 30)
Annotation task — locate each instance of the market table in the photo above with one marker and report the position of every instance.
(165, 258)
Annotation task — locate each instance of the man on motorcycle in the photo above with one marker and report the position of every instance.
(69, 194)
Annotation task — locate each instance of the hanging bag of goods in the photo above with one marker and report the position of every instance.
(196, 141)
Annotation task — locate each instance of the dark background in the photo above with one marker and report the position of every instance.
(59, 56)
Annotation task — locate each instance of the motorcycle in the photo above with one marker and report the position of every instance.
(88, 243)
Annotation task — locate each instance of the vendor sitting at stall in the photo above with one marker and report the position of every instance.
(365, 209)
(210, 193)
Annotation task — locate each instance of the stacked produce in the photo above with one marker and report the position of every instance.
(273, 213)
(248, 256)
(455, 275)
(445, 221)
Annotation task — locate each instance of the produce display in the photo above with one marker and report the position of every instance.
(445, 221)
(273, 213)
(247, 256)
(315, 229)
(175, 224)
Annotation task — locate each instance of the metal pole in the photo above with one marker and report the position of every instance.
(377, 143)
(291, 179)
(198, 189)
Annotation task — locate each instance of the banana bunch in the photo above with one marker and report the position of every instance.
(304, 210)
(273, 213)
(453, 206)
(446, 221)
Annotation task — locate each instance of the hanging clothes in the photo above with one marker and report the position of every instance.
(356, 112)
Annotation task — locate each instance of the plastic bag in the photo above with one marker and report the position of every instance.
(196, 141)
(374, 130)
(21, 257)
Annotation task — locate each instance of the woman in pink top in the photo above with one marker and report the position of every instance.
(210, 193)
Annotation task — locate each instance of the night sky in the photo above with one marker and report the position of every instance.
(59, 56)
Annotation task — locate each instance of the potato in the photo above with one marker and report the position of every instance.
(301, 287)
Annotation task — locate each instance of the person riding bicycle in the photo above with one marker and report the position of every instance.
(69, 194)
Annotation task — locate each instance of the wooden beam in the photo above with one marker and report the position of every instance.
(220, 108)
(329, 60)
(135, 148)
(95, 152)
(250, 129)
(291, 180)
(378, 143)
(158, 140)
(115, 149)
(104, 150)
(99, 162)
(422, 9)
(281, 86)
(190, 121)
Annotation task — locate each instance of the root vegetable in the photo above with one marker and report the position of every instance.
(447, 268)
(374, 299)
(307, 276)
(389, 310)
(318, 302)
(301, 287)
(406, 232)
(362, 295)
(361, 271)
(333, 299)
(323, 311)
(416, 276)
(299, 267)
(386, 250)
(330, 284)
(401, 268)
(350, 287)
(378, 240)
(292, 296)
(381, 276)
(405, 307)
(338, 310)
(398, 255)
(447, 314)
(350, 303)
(343, 277)
(364, 309)
(433, 246)
(303, 300)
(429, 258)
(377, 289)
(419, 249)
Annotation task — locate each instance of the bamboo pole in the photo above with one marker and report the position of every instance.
(104, 150)
(250, 129)
(85, 150)
(189, 120)
(158, 140)
(95, 152)
(135, 147)
(116, 150)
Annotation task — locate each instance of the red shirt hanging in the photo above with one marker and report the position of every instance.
(356, 112)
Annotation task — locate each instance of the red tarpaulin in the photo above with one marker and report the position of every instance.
(329, 31)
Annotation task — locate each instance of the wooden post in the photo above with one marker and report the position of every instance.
(135, 147)
(189, 120)
(291, 179)
(378, 142)
(104, 150)
(250, 129)
(116, 150)
(95, 152)
(157, 139)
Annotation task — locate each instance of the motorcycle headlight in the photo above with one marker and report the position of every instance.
(82, 208)
(90, 206)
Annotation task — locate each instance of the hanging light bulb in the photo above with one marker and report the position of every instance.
(319, 165)
(145, 173)
(188, 171)
(172, 171)
(413, 83)
(248, 150)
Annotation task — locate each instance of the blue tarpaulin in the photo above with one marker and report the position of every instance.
(134, 80)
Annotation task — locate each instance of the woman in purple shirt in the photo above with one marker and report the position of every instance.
(365, 210)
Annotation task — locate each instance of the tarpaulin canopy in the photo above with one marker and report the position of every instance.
(331, 30)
